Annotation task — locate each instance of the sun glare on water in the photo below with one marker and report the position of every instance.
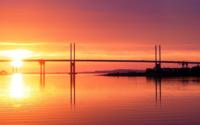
(17, 86)
(18, 89)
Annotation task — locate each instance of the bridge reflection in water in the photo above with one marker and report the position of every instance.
(158, 90)
(157, 81)
(72, 91)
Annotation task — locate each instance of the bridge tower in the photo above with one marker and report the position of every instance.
(72, 58)
(72, 73)
(158, 57)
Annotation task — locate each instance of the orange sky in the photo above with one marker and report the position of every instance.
(119, 29)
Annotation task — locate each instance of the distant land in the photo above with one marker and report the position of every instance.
(160, 72)
(154, 72)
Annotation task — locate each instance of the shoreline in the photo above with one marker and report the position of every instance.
(162, 72)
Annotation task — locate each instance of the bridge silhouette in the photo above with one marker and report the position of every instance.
(74, 60)
(158, 61)
(106, 60)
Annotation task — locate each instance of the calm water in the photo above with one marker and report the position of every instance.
(98, 100)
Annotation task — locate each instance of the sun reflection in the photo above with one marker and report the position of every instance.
(17, 87)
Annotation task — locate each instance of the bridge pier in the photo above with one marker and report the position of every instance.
(185, 65)
(15, 70)
(42, 72)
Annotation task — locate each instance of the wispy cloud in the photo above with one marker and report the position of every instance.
(18, 54)
(20, 44)
(3, 43)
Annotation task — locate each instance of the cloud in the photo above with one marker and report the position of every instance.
(31, 43)
(18, 54)
(19, 44)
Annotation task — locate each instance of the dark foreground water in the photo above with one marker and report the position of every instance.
(98, 100)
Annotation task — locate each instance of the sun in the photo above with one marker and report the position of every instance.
(17, 56)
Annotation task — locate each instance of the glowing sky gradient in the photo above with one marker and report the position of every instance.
(102, 28)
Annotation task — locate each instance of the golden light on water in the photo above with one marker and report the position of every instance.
(17, 87)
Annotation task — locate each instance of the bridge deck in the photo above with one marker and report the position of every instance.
(105, 60)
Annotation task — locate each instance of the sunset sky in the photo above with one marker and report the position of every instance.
(118, 29)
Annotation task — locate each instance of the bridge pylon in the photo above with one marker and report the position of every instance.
(158, 57)
(72, 73)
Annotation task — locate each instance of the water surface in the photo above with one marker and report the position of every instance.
(98, 100)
